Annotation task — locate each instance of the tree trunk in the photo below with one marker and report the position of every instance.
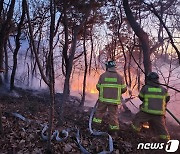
(4, 32)
(86, 69)
(139, 71)
(92, 49)
(51, 74)
(143, 37)
(6, 76)
(1, 6)
(32, 42)
(129, 69)
(125, 59)
(17, 46)
(65, 47)
(76, 30)
(67, 79)
(1, 127)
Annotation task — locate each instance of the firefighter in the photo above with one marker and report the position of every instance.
(110, 86)
(153, 108)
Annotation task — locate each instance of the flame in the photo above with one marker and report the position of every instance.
(93, 91)
(91, 81)
(77, 83)
(145, 125)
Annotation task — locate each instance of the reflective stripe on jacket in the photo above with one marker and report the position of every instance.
(154, 99)
(111, 85)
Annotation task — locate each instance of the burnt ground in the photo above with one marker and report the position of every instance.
(23, 137)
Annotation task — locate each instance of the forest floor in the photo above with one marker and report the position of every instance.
(20, 137)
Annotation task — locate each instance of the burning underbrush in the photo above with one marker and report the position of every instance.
(25, 137)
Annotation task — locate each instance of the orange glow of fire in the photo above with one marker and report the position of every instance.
(146, 125)
(93, 91)
(91, 81)
(77, 83)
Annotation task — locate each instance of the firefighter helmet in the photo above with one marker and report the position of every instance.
(153, 76)
(110, 64)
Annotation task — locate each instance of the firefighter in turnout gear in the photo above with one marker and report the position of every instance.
(153, 108)
(110, 86)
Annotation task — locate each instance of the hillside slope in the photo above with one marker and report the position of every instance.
(25, 137)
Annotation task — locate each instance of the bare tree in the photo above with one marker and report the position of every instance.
(17, 46)
(51, 72)
(91, 54)
(152, 8)
(4, 31)
(1, 127)
(69, 64)
(33, 46)
(50, 80)
(142, 35)
(85, 68)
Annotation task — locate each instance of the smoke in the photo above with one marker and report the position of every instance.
(169, 74)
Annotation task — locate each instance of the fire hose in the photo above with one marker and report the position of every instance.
(92, 132)
(97, 133)
(66, 132)
(171, 114)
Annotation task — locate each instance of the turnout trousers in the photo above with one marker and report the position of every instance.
(157, 122)
(112, 112)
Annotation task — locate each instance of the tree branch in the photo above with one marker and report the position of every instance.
(33, 45)
(142, 35)
(153, 10)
